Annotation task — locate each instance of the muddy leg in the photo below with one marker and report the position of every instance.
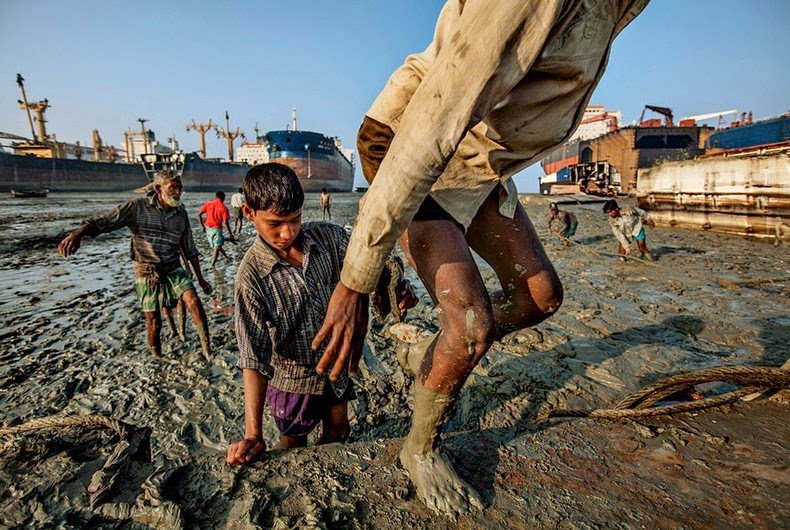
(153, 324)
(643, 250)
(531, 289)
(214, 256)
(335, 426)
(181, 315)
(192, 301)
(442, 259)
(168, 315)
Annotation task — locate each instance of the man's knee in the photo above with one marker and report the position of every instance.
(536, 304)
(472, 328)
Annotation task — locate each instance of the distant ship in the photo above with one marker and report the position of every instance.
(318, 160)
(46, 163)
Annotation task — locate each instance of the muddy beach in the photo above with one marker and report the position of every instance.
(73, 343)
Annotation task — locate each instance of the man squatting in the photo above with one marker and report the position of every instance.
(160, 232)
(502, 83)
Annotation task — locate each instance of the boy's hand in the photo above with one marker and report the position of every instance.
(345, 325)
(245, 451)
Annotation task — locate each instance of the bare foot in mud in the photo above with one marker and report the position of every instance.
(437, 483)
(410, 356)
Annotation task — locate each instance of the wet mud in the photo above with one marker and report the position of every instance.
(73, 343)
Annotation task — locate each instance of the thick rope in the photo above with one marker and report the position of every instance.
(750, 379)
(52, 422)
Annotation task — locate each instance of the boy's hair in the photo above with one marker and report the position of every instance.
(610, 205)
(220, 195)
(273, 187)
(323, 190)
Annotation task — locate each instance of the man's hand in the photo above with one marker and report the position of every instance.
(407, 297)
(651, 223)
(628, 252)
(205, 285)
(345, 325)
(69, 245)
(245, 451)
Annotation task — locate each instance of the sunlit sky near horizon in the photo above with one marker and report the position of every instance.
(104, 64)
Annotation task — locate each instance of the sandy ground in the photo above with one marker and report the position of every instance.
(73, 343)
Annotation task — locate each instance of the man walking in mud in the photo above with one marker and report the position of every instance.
(216, 213)
(502, 83)
(160, 230)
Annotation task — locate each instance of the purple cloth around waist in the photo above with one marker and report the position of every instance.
(298, 414)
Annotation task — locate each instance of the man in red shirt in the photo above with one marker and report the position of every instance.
(216, 213)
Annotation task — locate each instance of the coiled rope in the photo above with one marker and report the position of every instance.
(751, 379)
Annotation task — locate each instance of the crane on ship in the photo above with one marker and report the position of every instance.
(201, 129)
(710, 115)
(229, 135)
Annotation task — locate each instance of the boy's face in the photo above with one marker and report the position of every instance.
(278, 230)
(614, 214)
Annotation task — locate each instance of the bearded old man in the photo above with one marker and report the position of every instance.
(160, 232)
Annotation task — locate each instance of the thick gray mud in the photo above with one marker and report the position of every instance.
(73, 343)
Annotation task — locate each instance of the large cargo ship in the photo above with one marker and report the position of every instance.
(26, 172)
(317, 159)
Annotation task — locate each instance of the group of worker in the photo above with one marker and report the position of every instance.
(627, 224)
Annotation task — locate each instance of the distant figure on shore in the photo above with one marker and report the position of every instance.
(279, 304)
(326, 204)
(216, 213)
(502, 83)
(628, 227)
(160, 231)
(567, 222)
(236, 201)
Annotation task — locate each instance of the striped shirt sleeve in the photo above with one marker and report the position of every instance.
(252, 331)
(114, 220)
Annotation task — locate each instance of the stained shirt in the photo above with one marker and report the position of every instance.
(628, 224)
(216, 213)
(502, 83)
(157, 234)
(280, 308)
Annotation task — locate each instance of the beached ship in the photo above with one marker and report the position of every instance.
(740, 185)
(608, 164)
(318, 160)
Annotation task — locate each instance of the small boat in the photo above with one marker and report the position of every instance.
(38, 194)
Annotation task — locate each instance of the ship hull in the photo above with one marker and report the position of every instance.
(326, 172)
(747, 194)
(59, 174)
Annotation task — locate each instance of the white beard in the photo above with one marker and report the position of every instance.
(171, 201)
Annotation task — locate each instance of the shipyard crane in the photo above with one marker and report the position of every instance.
(720, 115)
(21, 82)
(229, 135)
(142, 132)
(201, 129)
(664, 111)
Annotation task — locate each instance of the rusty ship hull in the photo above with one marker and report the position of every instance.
(745, 193)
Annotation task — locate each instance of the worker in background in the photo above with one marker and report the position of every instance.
(236, 202)
(628, 227)
(567, 222)
(326, 205)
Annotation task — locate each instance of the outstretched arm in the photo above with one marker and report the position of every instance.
(109, 222)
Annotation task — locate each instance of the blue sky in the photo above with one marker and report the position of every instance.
(103, 64)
